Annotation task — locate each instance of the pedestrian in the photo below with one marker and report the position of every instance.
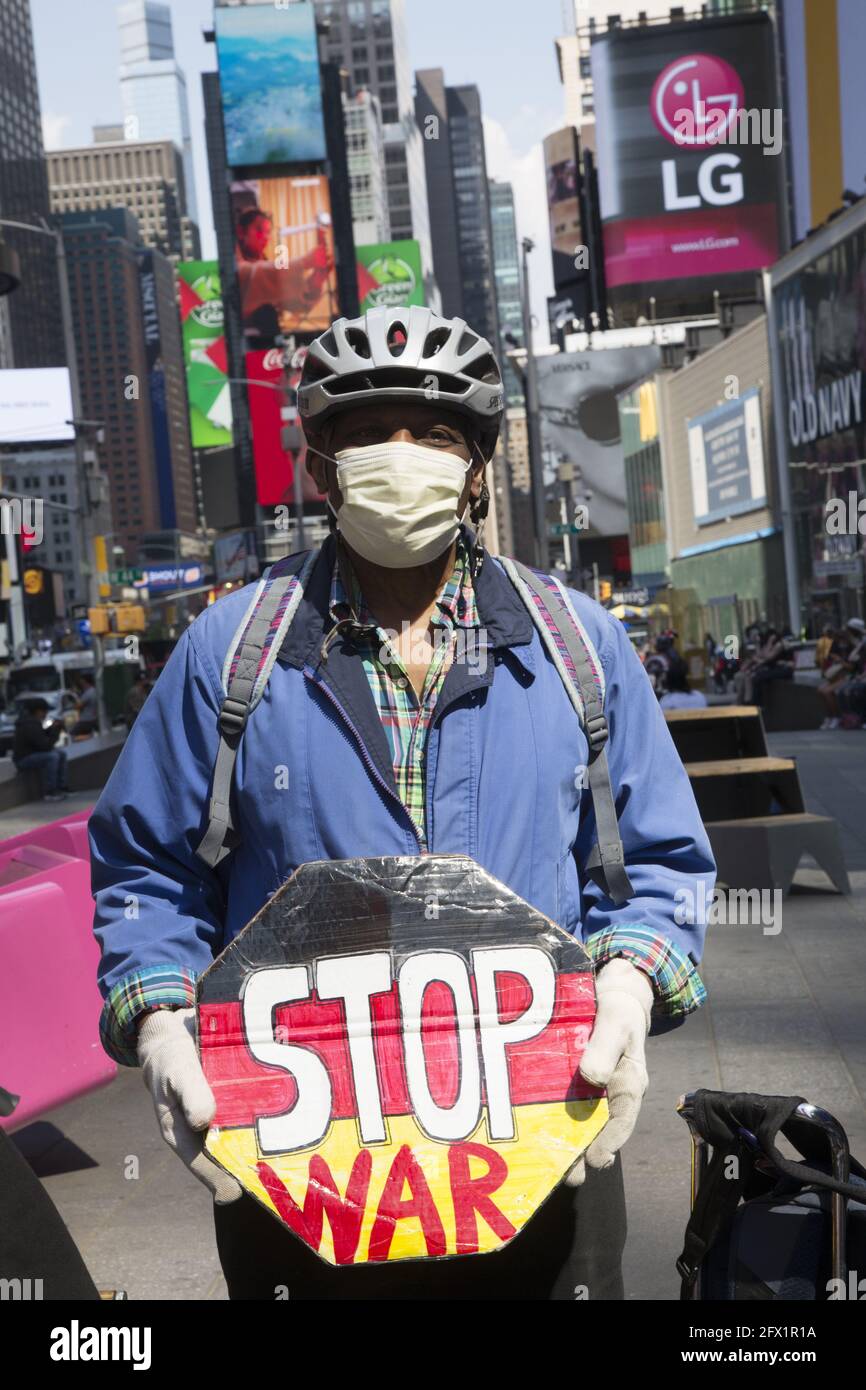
(33, 747)
(136, 698)
(679, 693)
(831, 650)
(850, 692)
(390, 743)
(842, 669)
(88, 716)
(773, 662)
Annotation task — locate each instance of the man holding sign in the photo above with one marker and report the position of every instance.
(375, 791)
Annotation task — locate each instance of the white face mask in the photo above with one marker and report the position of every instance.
(399, 502)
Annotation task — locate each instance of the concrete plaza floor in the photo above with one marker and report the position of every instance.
(787, 1015)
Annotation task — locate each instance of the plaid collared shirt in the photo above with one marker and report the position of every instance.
(406, 719)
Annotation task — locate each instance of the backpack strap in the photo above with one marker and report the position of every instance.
(577, 662)
(249, 661)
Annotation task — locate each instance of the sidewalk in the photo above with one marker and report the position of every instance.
(786, 1015)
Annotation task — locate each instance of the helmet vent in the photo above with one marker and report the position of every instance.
(436, 341)
(397, 339)
(358, 340)
(467, 341)
(483, 369)
(329, 343)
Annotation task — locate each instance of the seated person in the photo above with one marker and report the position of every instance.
(842, 668)
(88, 716)
(850, 693)
(679, 696)
(34, 748)
(773, 662)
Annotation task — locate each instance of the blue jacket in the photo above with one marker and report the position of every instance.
(314, 781)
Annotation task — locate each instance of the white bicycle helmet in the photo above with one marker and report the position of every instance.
(394, 354)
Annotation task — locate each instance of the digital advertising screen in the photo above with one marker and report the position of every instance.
(271, 89)
(690, 162)
(204, 352)
(563, 201)
(389, 274)
(35, 405)
(580, 421)
(274, 466)
(284, 256)
(726, 456)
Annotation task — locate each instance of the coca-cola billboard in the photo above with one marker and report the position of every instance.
(269, 392)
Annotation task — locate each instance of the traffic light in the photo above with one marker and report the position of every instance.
(117, 618)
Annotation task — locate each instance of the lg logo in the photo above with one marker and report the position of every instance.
(706, 87)
(695, 102)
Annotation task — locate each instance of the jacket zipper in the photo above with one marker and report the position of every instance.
(368, 761)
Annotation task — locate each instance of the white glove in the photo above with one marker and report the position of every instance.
(615, 1058)
(183, 1099)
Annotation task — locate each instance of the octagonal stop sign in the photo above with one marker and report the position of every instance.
(393, 1045)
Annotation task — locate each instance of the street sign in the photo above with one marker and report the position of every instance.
(394, 1048)
(561, 529)
(125, 576)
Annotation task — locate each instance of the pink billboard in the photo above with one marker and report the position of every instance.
(689, 154)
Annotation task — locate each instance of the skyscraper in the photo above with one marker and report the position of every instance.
(152, 86)
(147, 177)
(431, 112)
(368, 38)
(34, 336)
(365, 150)
(124, 328)
(460, 203)
(506, 269)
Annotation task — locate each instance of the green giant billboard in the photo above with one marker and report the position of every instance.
(389, 274)
(204, 351)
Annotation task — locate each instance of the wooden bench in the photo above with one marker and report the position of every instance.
(746, 788)
(751, 803)
(720, 731)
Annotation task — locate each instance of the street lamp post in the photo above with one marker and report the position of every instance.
(533, 426)
(42, 228)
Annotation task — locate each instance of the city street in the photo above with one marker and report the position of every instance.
(785, 1016)
(341, 373)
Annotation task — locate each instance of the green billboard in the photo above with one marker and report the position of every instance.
(204, 352)
(389, 274)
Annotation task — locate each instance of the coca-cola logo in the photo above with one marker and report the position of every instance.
(695, 100)
(273, 360)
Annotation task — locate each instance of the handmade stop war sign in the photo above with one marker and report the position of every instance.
(393, 1045)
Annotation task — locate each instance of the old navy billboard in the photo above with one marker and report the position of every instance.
(689, 139)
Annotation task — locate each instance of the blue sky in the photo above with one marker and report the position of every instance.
(504, 46)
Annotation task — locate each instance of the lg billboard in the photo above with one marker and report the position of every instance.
(689, 140)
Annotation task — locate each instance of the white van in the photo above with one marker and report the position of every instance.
(52, 677)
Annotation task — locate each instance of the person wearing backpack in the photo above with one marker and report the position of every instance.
(401, 692)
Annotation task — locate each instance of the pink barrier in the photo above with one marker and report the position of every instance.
(49, 1003)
